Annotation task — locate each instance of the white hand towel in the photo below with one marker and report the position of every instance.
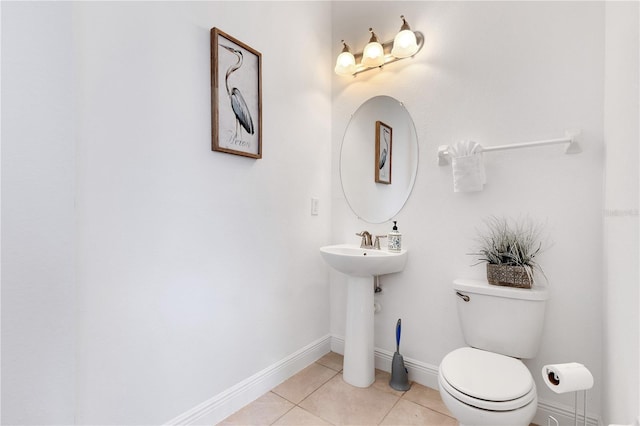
(467, 166)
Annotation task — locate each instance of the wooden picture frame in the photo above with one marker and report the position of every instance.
(384, 144)
(236, 96)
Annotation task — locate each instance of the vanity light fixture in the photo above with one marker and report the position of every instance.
(375, 54)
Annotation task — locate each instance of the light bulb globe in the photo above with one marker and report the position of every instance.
(404, 44)
(345, 64)
(373, 55)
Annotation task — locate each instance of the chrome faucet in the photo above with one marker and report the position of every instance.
(366, 239)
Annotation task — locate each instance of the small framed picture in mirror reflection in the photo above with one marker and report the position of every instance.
(384, 136)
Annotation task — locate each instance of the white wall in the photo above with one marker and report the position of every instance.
(203, 266)
(195, 269)
(497, 73)
(38, 174)
(621, 353)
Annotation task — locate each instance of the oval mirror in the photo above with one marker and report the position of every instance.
(379, 159)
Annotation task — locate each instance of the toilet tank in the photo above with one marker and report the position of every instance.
(504, 320)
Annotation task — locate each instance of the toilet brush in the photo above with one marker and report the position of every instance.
(399, 374)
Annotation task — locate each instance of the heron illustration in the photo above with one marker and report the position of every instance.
(238, 104)
(383, 154)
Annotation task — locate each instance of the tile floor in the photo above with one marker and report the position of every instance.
(318, 396)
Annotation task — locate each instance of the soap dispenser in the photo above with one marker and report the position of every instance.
(394, 239)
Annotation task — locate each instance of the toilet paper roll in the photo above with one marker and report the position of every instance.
(569, 377)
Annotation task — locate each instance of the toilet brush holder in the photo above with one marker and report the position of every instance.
(399, 374)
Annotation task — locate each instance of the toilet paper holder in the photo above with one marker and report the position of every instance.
(579, 377)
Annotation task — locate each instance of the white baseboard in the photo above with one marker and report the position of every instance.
(228, 402)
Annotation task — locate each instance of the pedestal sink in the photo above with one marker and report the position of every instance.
(361, 265)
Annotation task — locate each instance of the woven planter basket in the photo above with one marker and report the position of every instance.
(508, 276)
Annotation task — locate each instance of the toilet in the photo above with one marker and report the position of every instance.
(486, 383)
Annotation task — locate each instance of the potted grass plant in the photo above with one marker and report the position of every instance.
(509, 248)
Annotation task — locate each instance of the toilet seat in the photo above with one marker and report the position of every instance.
(487, 380)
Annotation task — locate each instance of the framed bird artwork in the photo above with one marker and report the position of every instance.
(236, 96)
(384, 136)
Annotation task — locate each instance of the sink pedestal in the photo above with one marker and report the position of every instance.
(359, 365)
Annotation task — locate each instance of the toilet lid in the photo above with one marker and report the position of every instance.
(487, 376)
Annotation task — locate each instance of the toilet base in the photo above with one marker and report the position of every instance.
(472, 416)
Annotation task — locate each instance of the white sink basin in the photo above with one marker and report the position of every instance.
(352, 260)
